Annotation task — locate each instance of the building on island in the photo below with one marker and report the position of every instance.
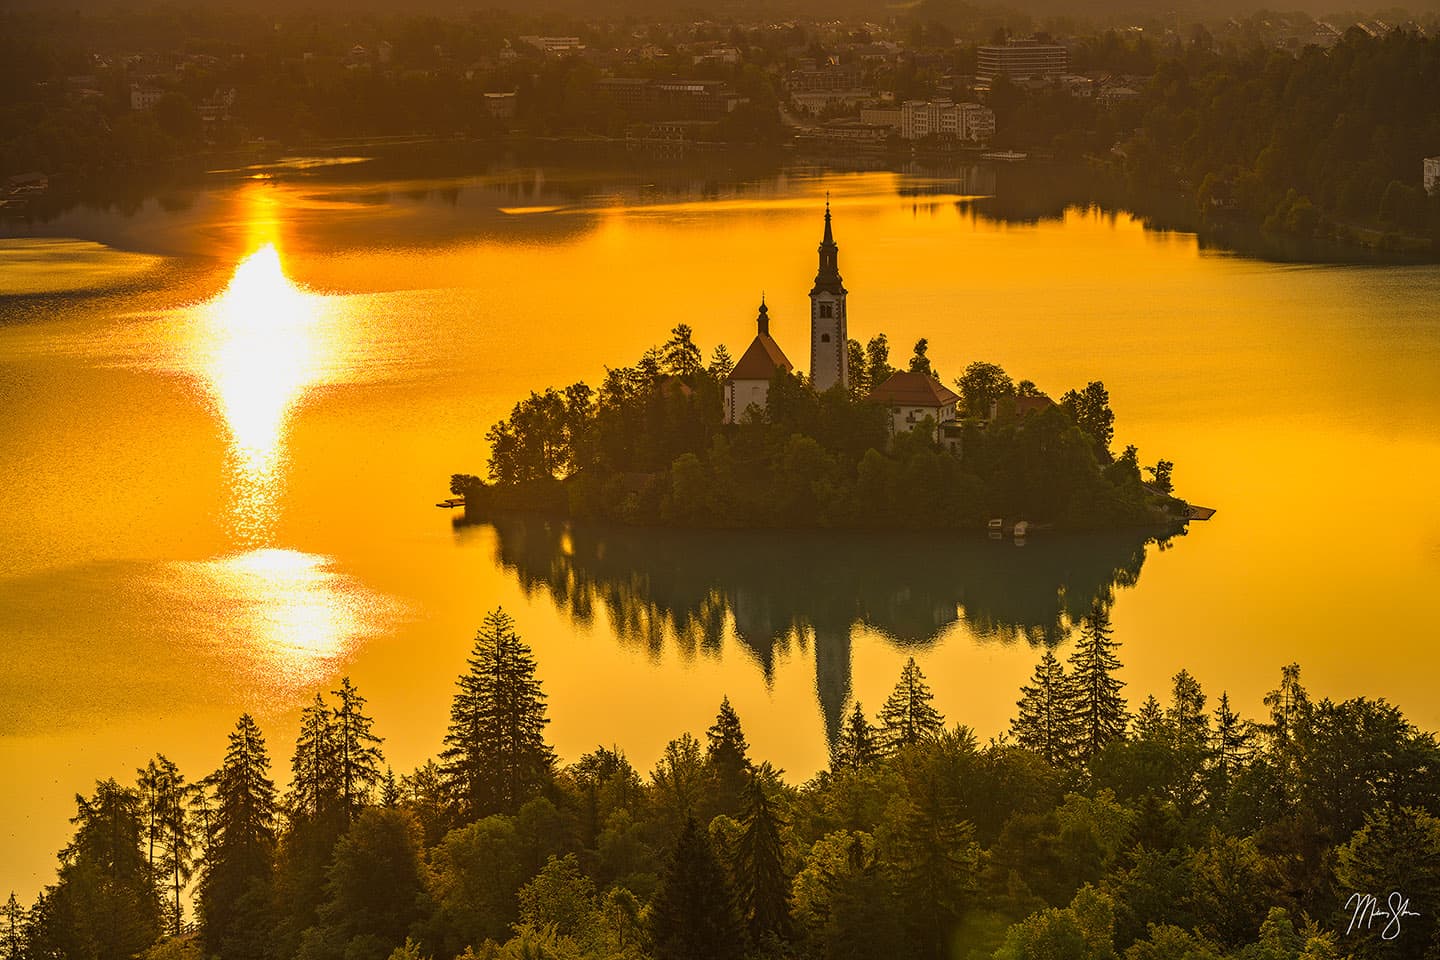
(749, 383)
(911, 397)
(829, 349)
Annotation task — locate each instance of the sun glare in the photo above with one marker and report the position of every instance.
(264, 350)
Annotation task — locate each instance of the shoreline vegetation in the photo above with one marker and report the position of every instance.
(1297, 150)
(649, 448)
(1089, 830)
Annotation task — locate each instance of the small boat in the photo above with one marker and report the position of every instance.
(451, 502)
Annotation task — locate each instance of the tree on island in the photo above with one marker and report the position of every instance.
(907, 717)
(721, 363)
(495, 755)
(920, 363)
(1098, 708)
(681, 356)
(1090, 409)
(981, 385)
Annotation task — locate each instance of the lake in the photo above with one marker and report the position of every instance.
(230, 410)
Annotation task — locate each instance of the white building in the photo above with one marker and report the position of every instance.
(749, 383)
(829, 347)
(555, 46)
(946, 119)
(144, 97)
(911, 397)
(1432, 175)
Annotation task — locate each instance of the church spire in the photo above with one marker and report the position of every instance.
(827, 279)
(762, 322)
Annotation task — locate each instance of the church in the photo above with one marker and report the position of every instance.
(749, 382)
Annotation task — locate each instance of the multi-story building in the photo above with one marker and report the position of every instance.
(555, 46)
(1432, 175)
(944, 118)
(143, 96)
(1023, 60)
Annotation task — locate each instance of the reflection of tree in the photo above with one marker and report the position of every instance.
(779, 588)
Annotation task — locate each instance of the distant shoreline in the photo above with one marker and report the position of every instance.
(1039, 188)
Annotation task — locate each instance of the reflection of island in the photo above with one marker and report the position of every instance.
(780, 588)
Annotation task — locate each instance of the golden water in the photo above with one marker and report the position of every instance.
(227, 418)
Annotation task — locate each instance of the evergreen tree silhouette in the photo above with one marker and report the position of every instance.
(907, 716)
(762, 886)
(1046, 721)
(693, 915)
(727, 755)
(858, 745)
(357, 751)
(495, 756)
(235, 880)
(1099, 710)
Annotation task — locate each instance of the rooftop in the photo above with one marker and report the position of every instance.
(761, 361)
(914, 390)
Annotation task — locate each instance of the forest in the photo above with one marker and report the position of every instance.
(1091, 829)
(649, 447)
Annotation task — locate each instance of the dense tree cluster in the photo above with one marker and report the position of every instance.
(649, 446)
(1094, 832)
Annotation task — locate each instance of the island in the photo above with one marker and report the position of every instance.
(857, 444)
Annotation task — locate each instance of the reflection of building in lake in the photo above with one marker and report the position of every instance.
(773, 593)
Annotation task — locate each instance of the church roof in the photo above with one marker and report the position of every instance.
(913, 390)
(761, 360)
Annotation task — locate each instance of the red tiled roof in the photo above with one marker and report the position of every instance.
(913, 390)
(761, 360)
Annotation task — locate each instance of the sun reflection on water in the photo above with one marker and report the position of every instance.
(299, 617)
(263, 348)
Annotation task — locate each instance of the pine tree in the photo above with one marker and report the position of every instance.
(495, 756)
(177, 844)
(357, 751)
(721, 363)
(390, 790)
(907, 716)
(1232, 747)
(858, 745)
(1289, 707)
(12, 937)
(1046, 722)
(726, 755)
(168, 836)
(236, 876)
(693, 915)
(682, 357)
(1099, 709)
(762, 887)
(106, 904)
(314, 781)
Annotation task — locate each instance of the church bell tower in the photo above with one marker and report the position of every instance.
(829, 351)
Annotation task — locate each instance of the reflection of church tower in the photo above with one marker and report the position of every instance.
(829, 356)
(832, 675)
